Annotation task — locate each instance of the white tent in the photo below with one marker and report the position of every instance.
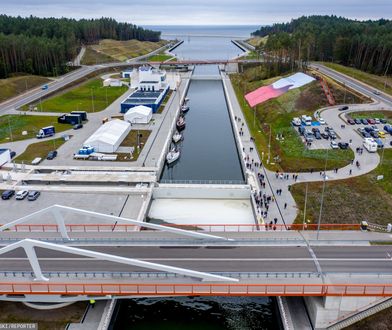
(296, 80)
(110, 82)
(138, 115)
(109, 136)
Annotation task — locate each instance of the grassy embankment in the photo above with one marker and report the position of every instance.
(292, 156)
(122, 50)
(371, 79)
(14, 86)
(81, 98)
(131, 141)
(39, 149)
(359, 198)
(57, 319)
(16, 124)
(92, 57)
(160, 58)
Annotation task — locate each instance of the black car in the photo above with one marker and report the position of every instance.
(301, 130)
(383, 121)
(343, 108)
(12, 154)
(325, 135)
(78, 126)
(52, 155)
(317, 135)
(374, 134)
(7, 194)
(315, 129)
(343, 145)
(366, 134)
(369, 129)
(364, 121)
(357, 121)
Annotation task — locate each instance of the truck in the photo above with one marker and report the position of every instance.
(306, 120)
(82, 114)
(370, 145)
(46, 132)
(72, 119)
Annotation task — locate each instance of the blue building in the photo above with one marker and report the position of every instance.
(151, 99)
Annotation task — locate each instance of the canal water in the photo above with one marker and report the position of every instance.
(208, 152)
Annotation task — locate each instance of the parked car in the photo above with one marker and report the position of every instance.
(7, 194)
(324, 135)
(301, 130)
(78, 126)
(315, 129)
(22, 194)
(351, 121)
(381, 134)
(364, 121)
(377, 120)
(360, 130)
(374, 134)
(358, 121)
(343, 108)
(366, 135)
(334, 145)
(332, 134)
(368, 129)
(33, 195)
(52, 155)
(317, 135)
(371, 121)
(375, 128)
(343, 145)
(383, 121)
(322, 121)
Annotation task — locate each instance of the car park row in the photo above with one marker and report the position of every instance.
(31, 195)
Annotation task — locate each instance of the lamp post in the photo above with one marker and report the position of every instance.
(9, 127)
(306, 201)
(92, 99)
(322, 196)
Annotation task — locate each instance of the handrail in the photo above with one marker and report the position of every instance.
(196, 289)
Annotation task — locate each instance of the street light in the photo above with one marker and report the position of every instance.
(92, 99)
(322, 196)
(306, 200)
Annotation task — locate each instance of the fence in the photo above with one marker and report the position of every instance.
(194, 227)
(152, 289)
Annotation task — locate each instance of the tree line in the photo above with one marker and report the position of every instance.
(43, 46)
(365, 45)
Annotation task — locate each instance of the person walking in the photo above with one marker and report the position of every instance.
(92, 303)
(285, 205)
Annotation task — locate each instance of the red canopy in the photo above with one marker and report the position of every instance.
(265, 93)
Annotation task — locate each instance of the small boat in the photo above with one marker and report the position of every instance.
(172, 155)
(177, 137)
(187, 99)
(185, 108)
(180, 123)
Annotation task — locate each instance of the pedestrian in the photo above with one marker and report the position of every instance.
(275, 220)
(311, 171)
(92, 303)
(351, 171)
(289, 187)
(285, 205)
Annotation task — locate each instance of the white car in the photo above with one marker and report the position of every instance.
(322, 121)
(334, 145)
(20, 195)
(376, 92)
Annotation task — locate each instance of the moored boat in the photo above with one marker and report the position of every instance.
(180, 123)
(177, 136)
(185, 108)
(172, 155)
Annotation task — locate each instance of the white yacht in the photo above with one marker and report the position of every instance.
(177, 137)
(172, 155)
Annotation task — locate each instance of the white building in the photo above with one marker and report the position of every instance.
(5, 156)
(138, 115)
(110, 82)
(147, 78)
(109, 136)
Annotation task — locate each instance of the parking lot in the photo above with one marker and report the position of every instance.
(115, 204)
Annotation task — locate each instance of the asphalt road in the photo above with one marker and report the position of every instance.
(353, 259)
(352, 83)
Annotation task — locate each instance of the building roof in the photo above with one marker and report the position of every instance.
(108, 133)
(140, 109)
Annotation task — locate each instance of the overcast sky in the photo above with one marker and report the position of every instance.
(197, 12)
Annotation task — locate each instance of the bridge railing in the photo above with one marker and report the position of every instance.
(194, 227)
(199, 289)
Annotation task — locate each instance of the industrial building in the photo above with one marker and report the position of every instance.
(109, 136)
(147, 78)
(151, 99)
(138, 115)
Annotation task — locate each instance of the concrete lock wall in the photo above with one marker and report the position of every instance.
(202, 191)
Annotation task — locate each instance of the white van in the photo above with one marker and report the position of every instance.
(370, 145)
(36, 161)
(306, 120)
(296, 121)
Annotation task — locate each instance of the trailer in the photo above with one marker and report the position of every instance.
(83, 114)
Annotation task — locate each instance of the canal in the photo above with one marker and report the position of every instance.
(208, 152)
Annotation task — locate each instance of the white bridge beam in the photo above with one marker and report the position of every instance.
(29, 246)
(56, 211)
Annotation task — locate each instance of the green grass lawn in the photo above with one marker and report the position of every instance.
(368, 78)
(39, 149)
(357, 199)
(92, 57)
(14, 86)
(90, 96)
(278, 113)
(159, 58)
(15, 124)
(131, 141)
